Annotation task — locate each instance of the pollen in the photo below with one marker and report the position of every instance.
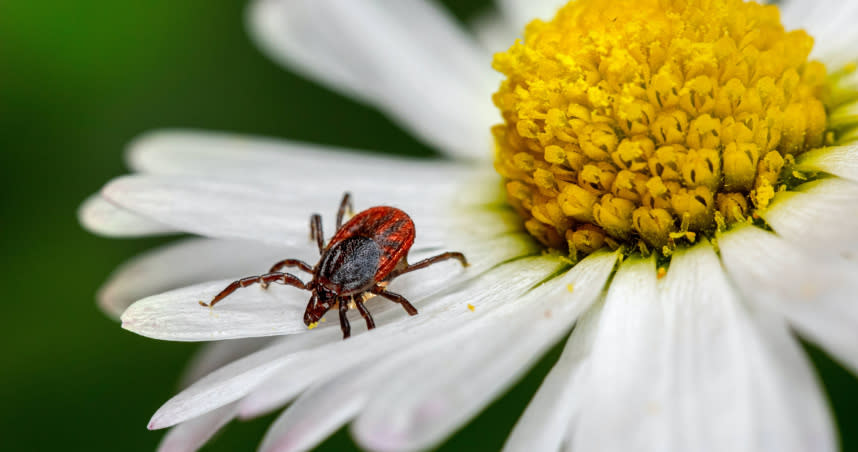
(649, 122)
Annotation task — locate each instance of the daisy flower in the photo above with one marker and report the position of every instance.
(671, 188)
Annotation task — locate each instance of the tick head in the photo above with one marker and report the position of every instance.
(319, 304)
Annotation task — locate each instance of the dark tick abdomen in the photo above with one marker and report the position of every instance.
(351, 264)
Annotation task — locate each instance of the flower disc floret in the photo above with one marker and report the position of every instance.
(644, 122)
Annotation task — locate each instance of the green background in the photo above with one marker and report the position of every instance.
(78, 80)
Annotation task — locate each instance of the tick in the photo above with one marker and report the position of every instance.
(361, 259)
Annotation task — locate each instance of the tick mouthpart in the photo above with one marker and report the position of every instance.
(311, 318)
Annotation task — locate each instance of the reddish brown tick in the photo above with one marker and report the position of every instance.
(363, 256)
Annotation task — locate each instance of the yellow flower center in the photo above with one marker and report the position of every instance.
(646, 122)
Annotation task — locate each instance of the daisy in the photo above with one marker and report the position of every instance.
(672, 192)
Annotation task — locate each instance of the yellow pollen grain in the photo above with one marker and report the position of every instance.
(662, 272)
(647, 122)
(312, 325)
(570, 287)
(471, 307)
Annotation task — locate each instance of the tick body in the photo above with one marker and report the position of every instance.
(362, 257)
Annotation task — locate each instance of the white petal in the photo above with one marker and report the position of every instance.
(427, 398)
(192, 435)
(821, 216)
(383, 425)
(482, 255)
(841, 161)
(214, 355)
(680, 365)
(521, 12)
(545, 423)
(314, 170)
(626, 348)
(791, 408)
(815, 295)
(408, 58)
(418, 285)
(279, 213)
(105, 218)
(190, 261)
(253, 311)
(219, 209)
(437, 316)
(247, 157)
(323, 409)
(249, 312)
(829, 22)
(229, 383)
(357, 385)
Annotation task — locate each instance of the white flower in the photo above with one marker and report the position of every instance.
(702, 357)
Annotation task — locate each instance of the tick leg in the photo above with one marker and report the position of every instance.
(429, 261)
(277, 277)
(364, 312)
(288, 263)
(316, 231)
(345, 205)
(291, 263)
(396, 298)
(344, 321)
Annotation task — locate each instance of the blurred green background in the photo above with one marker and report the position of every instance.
(78, 80)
